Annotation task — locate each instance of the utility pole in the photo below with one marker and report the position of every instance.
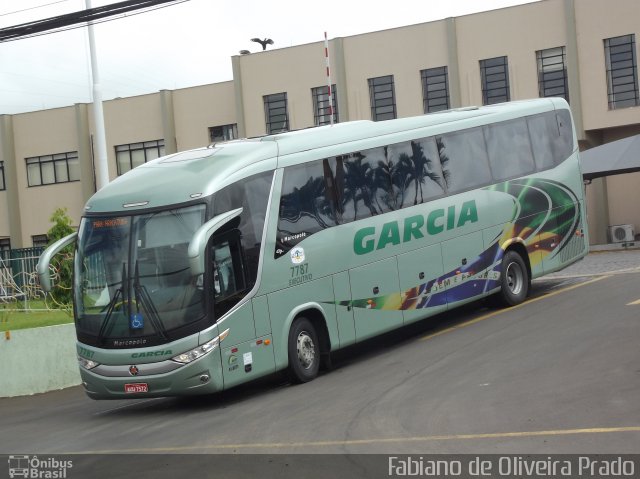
(101, 165)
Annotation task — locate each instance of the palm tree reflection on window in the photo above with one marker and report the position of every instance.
(359, 185)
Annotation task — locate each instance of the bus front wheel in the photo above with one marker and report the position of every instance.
(304, 351)
(514, 280)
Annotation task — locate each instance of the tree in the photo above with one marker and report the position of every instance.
(62, 263)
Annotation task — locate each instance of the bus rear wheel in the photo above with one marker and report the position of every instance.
(304, 351)
(514, 280)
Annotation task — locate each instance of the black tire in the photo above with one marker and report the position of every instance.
(514, 280)
(304, 351)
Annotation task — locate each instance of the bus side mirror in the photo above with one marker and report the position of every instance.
(42, 268)
(201, 237)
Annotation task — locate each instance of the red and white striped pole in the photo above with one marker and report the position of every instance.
(326, 57)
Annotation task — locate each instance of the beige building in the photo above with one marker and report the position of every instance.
(583, 50)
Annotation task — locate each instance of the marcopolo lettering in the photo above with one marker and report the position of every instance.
(149, 354)
(435, 222)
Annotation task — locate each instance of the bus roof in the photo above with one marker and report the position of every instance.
(191, 174)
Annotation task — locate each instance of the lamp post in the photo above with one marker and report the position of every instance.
(101, 167)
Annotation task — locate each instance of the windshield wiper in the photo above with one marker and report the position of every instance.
(112, 306)
(142, 297)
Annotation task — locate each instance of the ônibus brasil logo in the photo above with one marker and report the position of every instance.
(34, 467)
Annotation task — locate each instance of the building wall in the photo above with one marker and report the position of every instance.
(198, 108)
(37, 134)
(624, 198)
(597, 20)
(398, 52)
(130, 120)
(623, 192)
(293, 70)
(515, 32)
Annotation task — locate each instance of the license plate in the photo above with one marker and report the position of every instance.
(136, 388)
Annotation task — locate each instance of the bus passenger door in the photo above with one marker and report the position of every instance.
(461, 258)
(419, 272)
(375, 297)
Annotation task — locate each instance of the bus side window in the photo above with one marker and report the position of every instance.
(306, 204)
(509, 149)
(229, 277)
(415, 172)
(463, 156)
(551, 138)
(252, 195)
(363, 184)
(541, 130)
(563, 144)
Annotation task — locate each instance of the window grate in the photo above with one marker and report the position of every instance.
(552, 73)
(382, 97)
(276, 113)
(321, 108)
(435, 89)
(494, 74)
(622, 71)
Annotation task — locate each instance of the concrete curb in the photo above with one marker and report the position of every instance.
(38, 360)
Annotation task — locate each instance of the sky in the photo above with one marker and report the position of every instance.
(182, 45)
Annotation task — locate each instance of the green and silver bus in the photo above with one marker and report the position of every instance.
(204, 269)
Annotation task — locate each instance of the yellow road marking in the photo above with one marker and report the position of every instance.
(500, 311)
(359, 442)
(633, 303)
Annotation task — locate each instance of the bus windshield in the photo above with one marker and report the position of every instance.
(133, 283)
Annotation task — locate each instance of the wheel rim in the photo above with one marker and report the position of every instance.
(515, 278)
(306, 350)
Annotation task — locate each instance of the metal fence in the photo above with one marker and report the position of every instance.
(18, 277)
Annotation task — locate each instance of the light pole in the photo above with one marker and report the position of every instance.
(101, 166)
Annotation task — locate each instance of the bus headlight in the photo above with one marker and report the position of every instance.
(87, 363)
(200, 351)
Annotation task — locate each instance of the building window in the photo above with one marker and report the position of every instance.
(50, 169)
(383, 98)
(552, 73)
(494, 73)
(622, 71)
(435, 89)
(3, 185)
(223, 133)
(39, 240)
(321, 108)
(275, 113)
(136, 154)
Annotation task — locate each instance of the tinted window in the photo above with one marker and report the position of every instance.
(306, 206)
(551, 138)
(363, 184)
(542, 129)
(416, 174)
(563, 143)
(509, 149)
(252, 195)
(464, 159)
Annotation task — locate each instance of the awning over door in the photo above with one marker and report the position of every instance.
(617, 157)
